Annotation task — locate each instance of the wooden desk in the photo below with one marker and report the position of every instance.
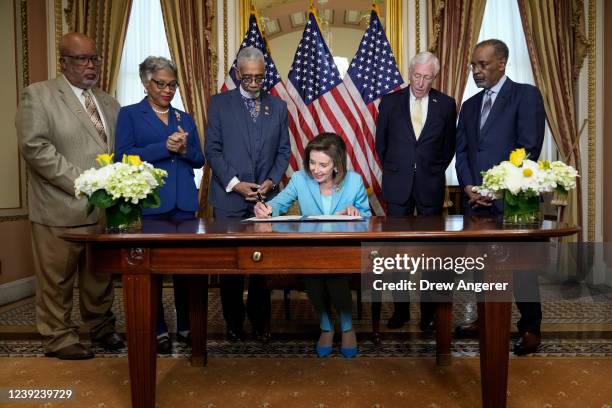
(199, 247)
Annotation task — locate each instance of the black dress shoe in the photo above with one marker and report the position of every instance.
(262, 335)
(184, 339)
(467, 329)
(427, 324)
(75, 351)
(397, 320)
(163, 345)
(235, 335)
(528, 343)
(111, 341)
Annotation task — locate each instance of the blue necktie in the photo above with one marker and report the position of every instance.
(253, 106)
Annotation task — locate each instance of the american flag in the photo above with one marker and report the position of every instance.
(272, 83)
(322, 100)
(372, 74)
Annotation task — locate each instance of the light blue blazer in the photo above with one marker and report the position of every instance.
(305, 189)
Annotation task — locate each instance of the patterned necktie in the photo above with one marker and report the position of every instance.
(253, 106)
(416, 115)
(94, 115)
(486, 107)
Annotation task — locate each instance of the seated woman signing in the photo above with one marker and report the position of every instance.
(325, 187)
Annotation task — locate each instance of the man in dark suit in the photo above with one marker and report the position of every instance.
(415, 142)
(504, 116)
(247, 146)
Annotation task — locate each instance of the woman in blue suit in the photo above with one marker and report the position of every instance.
(167, 138)
(325, 187)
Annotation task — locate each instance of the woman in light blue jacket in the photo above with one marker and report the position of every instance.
(325, 187)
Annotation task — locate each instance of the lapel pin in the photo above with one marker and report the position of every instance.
(435, 100)
(266, 110)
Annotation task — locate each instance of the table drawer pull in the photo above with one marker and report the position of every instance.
(257, 256)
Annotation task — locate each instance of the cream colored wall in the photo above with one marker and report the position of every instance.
(10, 166)
(15, 248)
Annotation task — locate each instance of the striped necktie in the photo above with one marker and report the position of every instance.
(486, 107)
(94, 115)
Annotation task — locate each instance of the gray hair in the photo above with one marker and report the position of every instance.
(250, 54)
(425, 57)
(153, 64)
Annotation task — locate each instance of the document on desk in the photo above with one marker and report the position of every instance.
(306, 218)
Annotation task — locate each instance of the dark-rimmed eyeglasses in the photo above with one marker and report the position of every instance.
(83, 60)
(247, 79)
(163, 84)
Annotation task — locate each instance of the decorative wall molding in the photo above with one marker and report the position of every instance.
(10, 218)
(592, 132)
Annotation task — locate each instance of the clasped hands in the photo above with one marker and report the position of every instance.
(250, 191)
(477, 200)
(177, 142)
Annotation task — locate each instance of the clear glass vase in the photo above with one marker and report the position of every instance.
(521, 209)
(123, 218)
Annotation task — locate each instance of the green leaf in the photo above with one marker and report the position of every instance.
(126, 207)
(152, 200)
(100, 198)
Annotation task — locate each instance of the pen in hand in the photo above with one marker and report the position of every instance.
(261, 200)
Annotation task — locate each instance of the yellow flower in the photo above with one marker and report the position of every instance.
(517, 156)
(527, 172)
(544, 164)
(133, 160)
(104, 159)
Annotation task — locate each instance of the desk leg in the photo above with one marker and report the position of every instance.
(444, 322)
(140, 302)
(198, 314)
(494, 319)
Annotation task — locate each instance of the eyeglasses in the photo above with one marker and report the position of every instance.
(162, 84)
(479, 66)
(82, 60)
(247, 79)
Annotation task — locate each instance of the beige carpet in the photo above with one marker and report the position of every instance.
(316, 383)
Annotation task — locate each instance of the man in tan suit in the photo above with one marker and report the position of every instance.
(62, 124)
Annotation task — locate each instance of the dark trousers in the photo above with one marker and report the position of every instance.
(401, 300)
(525, 285)
(258, 305)
(181, 296)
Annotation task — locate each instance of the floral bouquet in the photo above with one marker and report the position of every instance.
(520, 181)
(121, 189)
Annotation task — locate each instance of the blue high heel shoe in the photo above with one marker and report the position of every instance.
(324, 351)
(349, 352)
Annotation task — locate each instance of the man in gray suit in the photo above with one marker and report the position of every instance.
(62, 124)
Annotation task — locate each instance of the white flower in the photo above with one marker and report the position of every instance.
(528, 177)
(125, 181)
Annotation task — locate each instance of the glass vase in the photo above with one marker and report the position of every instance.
(521, 209)
(123, 218)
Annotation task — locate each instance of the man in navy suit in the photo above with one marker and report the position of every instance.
(504, 116)
(415, 142)
(247, 146)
